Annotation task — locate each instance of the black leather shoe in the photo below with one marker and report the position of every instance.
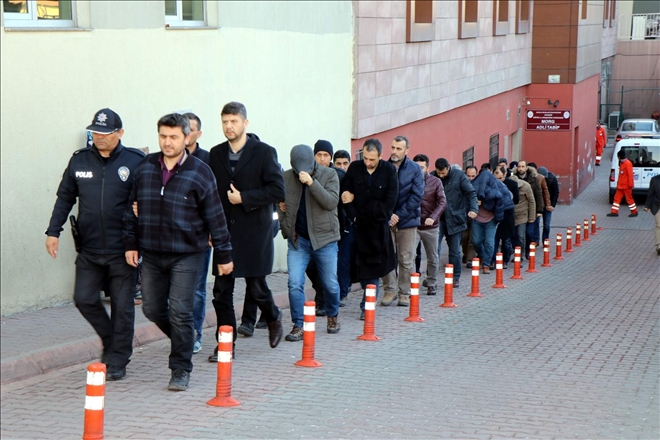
(115, 373)
(261, 324)
(275, 330)
(633, 215)
(246, 329)
(612, 215)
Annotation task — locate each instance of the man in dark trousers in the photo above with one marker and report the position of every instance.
(652, 205)
(369, 192)
(461, 204)
(249, 181)
(199, 304)
(100, 178)
(178, 209)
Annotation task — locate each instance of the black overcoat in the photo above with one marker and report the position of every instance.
(372, 210)
(258, 177)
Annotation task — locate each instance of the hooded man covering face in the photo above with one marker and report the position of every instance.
(309, 222)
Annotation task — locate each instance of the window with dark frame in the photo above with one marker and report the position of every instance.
(522, 16)
(468, 18)
(501, 17)
(585, 5)
(468, 157)
(420, 23)
(494, 150)
(606, 13)
(612, 13)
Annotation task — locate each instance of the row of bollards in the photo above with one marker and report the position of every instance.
(95, 390)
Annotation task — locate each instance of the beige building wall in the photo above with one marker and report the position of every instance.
(294, 76)
(398, 83)
(609, 34)
(590, 32)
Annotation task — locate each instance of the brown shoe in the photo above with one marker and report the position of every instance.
(275, 330)
(388, 299)
(485, 269)
(333, 324)
(404, 300)
(295, 335)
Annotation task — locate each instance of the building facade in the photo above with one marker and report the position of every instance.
(64, 60)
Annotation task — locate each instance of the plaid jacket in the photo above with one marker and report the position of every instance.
(177, 217)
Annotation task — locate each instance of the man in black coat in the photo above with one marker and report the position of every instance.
(249, 181)
(652, 205)
(369, 192)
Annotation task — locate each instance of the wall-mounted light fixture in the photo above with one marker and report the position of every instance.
(554, 104)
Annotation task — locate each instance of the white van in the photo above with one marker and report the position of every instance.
(645, 157)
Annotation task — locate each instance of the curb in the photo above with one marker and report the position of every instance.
(34, 363)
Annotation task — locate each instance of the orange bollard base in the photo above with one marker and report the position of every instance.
(531, 271)
(516, 277)
(223, 401)
(475, 295)
(546, 265)
(499, 286)
(414, 319)
(310, 363)
(448, 305)
(558, 258)
(368, 338)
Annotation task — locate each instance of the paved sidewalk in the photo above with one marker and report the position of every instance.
(570, 352)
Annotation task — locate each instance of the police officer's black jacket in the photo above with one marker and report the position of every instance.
(102, 186)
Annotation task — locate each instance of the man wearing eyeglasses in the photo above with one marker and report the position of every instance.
(100, 178)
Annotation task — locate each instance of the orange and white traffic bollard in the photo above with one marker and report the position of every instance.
(94, 402)
(532, 258)
(593, 224)
(585, 230)
(569, 240)
(546, 253)
(449, 287)
(499, 272)
(223, 385)
(578, 229)
(414, 299)
(558, 251)
(516, 264)
(309, 337)
(474, 292)
(369, 314)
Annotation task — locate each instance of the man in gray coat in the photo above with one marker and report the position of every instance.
(309, 222)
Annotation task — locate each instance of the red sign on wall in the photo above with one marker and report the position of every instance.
(549, 120)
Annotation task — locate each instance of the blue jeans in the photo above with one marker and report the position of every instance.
(346, 245)
(326, 263)
(483, 240)
(454, 243)
(547, 218)
(199, 303)
(363, 284)
(168, 291)
(532, 234)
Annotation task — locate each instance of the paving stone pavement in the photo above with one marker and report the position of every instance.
(569, 352)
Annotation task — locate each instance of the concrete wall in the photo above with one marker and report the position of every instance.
(637, 68)
(399, 83)
(294, 76)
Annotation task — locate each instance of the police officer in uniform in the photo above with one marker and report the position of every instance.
(100, 178)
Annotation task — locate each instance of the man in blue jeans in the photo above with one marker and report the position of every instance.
(179, 207)
(461, 204)
(308, 220)
(199, 304)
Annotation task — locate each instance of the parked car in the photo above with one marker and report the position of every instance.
(645, 157)
(638, 128)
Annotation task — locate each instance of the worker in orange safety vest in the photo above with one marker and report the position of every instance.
(624, 186)
(601, 141)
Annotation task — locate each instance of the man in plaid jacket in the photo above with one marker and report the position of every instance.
(179, 208)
